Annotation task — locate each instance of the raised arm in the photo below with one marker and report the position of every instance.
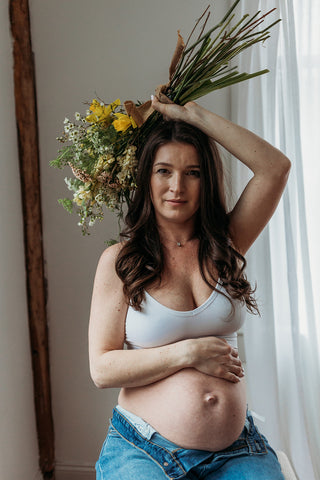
(111, 366)
(270, 167)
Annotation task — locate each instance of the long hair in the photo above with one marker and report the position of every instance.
(140, 262)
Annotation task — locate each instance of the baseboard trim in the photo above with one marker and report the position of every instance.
(74, 472)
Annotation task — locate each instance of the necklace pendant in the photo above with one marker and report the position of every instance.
(179, 244)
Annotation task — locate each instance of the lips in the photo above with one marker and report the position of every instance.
(174, 201)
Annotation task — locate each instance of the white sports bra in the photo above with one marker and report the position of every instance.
(156, 325)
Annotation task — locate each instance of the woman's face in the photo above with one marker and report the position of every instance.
(175, 183)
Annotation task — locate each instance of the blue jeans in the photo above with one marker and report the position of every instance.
(135, 451)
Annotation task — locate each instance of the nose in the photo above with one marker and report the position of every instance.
(177, 184)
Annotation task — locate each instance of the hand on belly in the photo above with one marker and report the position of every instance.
(215, 357)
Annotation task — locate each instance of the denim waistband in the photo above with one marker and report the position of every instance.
(143, 427)
(147, 430)
(174, 460)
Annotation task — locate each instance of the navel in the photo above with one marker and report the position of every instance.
(211, 399)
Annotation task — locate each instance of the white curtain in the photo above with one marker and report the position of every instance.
(282, 347)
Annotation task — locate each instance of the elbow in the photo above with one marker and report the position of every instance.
(280, 172)
(103, 370)
(99, 380)
(284, 166)
(285, 170)
(98, 384)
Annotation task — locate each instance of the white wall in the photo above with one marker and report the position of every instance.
(113, 49)
(18, 440)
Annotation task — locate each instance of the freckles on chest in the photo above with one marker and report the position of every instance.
(182, 258)
(182, 277)
(182, 285)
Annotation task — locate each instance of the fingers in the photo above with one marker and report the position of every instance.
(233, 367)
(225, 372)
(238, 371)
(236, 363)
(231, 377)
(215, 356)
(170, 111)
(234, 352)
(157, 105)
(230, 352)
(233, 373)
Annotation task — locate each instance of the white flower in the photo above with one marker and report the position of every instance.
(99, 199)
(77, 116)
(68, 183)
(66, 120)
(74, 135)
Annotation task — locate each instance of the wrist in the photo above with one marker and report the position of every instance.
(201, 118)
(187, 354)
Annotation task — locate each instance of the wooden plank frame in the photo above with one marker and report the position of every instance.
(27, 129)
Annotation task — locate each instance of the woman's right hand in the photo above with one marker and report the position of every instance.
(215, 357)
(173, 111)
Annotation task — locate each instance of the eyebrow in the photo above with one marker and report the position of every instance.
(170, 165)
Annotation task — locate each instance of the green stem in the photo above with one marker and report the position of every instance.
(214, 28)
(212, 56)
(182, 67)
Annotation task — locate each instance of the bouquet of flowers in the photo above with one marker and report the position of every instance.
(102, 147)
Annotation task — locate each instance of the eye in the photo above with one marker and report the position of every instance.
(194, 173)
(162, 171)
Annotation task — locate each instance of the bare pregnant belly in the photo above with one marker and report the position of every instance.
(191, 409)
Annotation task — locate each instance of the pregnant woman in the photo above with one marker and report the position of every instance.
(174, 291)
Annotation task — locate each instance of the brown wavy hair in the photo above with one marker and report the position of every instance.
(140, 262)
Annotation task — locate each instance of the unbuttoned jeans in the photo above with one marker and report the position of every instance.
(139, 453)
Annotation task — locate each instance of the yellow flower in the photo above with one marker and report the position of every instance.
(100, 112)
(123, 122)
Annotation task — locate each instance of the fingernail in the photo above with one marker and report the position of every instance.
(152, 97)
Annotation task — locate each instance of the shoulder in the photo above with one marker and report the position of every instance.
(107, 261)
(110, 254)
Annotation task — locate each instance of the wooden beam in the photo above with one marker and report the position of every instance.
(27, 129)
